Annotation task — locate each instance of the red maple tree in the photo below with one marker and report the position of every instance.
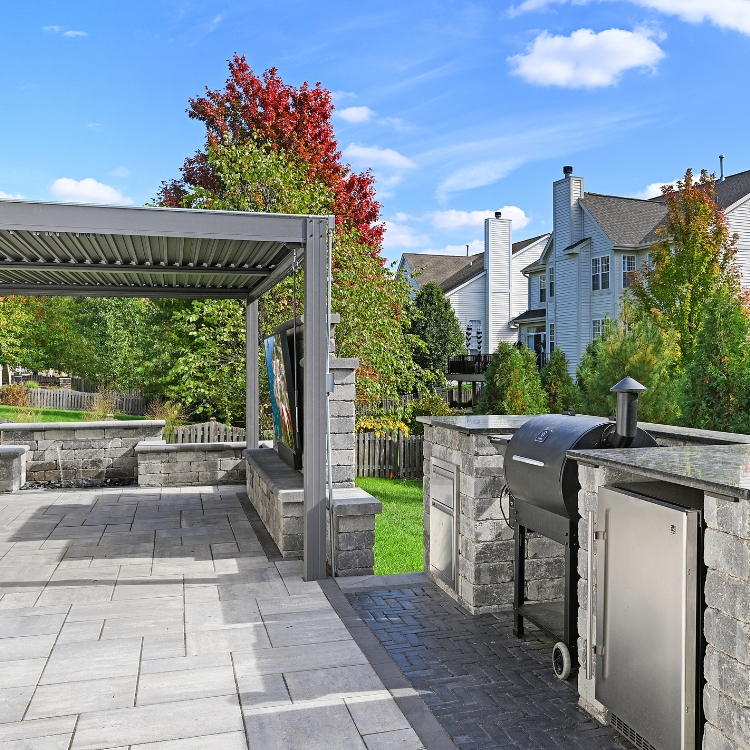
(295, 120)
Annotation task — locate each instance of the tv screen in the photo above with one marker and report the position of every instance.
(282, 396)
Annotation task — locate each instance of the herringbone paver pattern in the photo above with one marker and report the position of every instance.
(487, 688)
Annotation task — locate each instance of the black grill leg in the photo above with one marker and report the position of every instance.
(570, 634)
(519, 578)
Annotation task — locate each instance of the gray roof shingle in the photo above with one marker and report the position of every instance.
(626, 221)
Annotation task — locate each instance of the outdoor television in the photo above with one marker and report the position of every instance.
(285, 398)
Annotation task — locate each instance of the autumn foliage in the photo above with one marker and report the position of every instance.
(294, 120)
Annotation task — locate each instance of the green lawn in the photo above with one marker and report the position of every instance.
(398, 529)
(52, 415)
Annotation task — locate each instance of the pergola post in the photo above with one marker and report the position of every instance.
(251, 376)
(314, 430)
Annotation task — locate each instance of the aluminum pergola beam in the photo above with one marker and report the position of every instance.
(102, 290)
(127, 268)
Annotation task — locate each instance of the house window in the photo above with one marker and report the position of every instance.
(628, 268)
(542, 288)
(551, 337)
(597, 327)
(600, 273)
(551, 282)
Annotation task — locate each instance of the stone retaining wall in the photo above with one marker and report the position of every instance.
(354, 512)
(168, 464)
(12, 467)
(486, 547)
(81, 450)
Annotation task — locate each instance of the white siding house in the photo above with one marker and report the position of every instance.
(486, 290)
(597, 242)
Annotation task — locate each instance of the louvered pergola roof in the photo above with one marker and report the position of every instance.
(85, 250)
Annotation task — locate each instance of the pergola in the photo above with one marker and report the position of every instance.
(123, 251)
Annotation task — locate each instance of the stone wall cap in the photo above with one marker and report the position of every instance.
(343, 363)
(124, 424)
(13, 450)
(355, 502)
(279, 476)
(154, 446)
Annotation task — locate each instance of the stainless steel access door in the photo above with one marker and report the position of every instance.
(646, 617)
(443, 520)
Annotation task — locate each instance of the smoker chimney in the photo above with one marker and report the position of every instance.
(498, 214)
(721, 168)
(567, 171)
(626, 424)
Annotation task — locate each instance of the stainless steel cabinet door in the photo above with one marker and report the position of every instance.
(646, 616)
(443, 514)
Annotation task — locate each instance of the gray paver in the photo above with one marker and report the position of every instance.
(165, 687)
(400, 739)
(82, 696)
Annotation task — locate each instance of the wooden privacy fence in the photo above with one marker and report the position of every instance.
(390, 454)
(64, 398)
(209, 432)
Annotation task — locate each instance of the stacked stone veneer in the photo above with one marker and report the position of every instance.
(12, 467)
(726, 696)
(277, 494)
(486, 546)
(341, 404)
(169, 465)
(354, 512)
(83, 450)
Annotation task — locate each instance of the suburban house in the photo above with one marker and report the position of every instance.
(597, 242)
(486, 290)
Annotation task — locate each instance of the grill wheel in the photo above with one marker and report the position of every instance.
(561, 661)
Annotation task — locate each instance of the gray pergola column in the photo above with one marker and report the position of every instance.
(314, 431)
(251, 376)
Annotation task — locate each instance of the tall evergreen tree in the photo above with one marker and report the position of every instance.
(512, 383)
(437, 326)
(558, 385)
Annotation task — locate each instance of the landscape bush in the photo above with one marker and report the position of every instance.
(380, 424)
(559, 387)
(171, 412)
(104, 404)
(512, 383)
(14, 395)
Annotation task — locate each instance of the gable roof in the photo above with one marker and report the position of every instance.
(626, 221)
(451, 271)
(735, 187)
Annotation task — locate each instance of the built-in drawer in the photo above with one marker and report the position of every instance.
(444, 481)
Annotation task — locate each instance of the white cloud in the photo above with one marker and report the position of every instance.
(340, 96)
(477, 175)
(652, 190)
(215, 22)
(94, 125)
(728, 14)
(120, 172)
(397, 124)
(72, 34)
(10, 196)
(475, 246)
(87, 191)
(402, 235)
(355, 115)
(585, 59)
(374, 156)
(453, 220)
(53, 29)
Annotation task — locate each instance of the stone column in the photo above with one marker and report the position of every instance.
(341, 404)
(726, 695)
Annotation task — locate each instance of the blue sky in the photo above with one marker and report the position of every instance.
(460, 108)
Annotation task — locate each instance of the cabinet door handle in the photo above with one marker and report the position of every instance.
(590, 598)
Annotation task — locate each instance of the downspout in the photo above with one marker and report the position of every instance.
(329, 391)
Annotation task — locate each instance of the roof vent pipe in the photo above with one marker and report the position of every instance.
(721, 168)
(498, 214)
(626, 421)
(567, 171)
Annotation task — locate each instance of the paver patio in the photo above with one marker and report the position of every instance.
(153, 620)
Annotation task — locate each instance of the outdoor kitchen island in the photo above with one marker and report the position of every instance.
(712, 482)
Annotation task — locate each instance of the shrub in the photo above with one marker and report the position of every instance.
(171, 412)
(14, 395)
(104, 404)
(558, 385)
(31, 384)
(641, 351)
(380, 424)
(512, 383)
(429, 405)
(718, 397)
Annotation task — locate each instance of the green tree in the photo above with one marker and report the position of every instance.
(692, 260)
(640, 350)
(718, 377)
(512, 383)
(558, 385)
(437, 326)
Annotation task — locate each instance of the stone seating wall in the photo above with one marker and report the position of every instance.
(12, 467)
(163, 464)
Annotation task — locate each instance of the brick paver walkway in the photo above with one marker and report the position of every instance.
(487, 688)
(152, 620)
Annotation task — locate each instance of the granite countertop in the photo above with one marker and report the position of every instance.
(480, 424)
(721, 469)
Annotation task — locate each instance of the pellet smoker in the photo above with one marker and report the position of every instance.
(542, 483)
